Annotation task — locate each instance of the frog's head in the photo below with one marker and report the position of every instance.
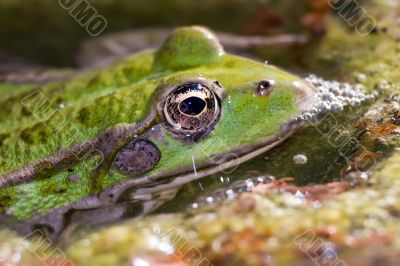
(213, 111)
(180, 113)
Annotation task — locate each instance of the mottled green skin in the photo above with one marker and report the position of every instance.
(124, 94)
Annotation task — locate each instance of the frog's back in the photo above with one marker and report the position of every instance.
(36, 121)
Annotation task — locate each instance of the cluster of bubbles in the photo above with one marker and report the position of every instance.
(231, 192)
(333, 96)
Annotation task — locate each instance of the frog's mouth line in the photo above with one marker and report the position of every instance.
(142, 188)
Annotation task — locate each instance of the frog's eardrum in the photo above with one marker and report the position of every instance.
(138, 157)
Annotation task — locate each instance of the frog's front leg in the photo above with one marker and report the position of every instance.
(89, 212)
(126, 208)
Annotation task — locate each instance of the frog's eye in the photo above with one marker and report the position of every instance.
(192, 107)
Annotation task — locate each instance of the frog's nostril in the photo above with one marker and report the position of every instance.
(265, 87)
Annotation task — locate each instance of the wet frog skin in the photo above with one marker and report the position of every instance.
(136, 130)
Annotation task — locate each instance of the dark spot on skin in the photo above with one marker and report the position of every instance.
(108, 136)
(264, 88)
(38, 133)
(55, 187)
(6, 199)
(94, 81)
(83, 115)
(138, 157)
(26, 136)
(229, 64)
(43, 135)
(43, 170)
(60, 190)
(57, 100)
(25, 111)
(6, 108)
(3, 137)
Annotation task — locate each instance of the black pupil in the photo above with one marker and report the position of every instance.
(192, 106)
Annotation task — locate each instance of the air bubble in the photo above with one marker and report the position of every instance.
(361, 78)
(300, 159)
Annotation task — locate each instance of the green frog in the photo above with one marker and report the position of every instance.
(119, 141)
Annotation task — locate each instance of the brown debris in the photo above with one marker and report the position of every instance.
(376, 239)
(263, 22)
(247, 203)
(315, 19)
(382, 129)
(266, 21)
(234, 246)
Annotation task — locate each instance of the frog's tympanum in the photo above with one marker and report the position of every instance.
(116, 142)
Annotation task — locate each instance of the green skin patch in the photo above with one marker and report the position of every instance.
(37, 122)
